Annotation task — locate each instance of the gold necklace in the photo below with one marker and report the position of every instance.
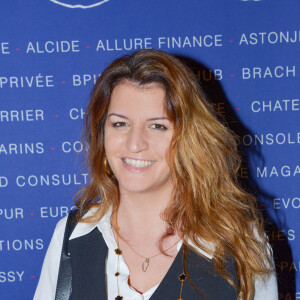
(146, 261)
(182, 277)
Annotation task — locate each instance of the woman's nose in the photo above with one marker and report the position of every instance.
(136, 140)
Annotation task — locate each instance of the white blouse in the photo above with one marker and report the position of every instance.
(265, 290)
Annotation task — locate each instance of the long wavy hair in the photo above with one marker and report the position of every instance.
(207, 201)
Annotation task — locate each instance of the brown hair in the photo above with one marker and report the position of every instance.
(208, 203)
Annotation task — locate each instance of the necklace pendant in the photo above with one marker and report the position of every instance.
(145, 264)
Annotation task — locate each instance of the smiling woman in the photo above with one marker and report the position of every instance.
(163, 216)
(137, 137)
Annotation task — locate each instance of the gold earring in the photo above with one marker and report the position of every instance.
(106, 167)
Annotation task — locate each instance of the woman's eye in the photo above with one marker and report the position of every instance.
(119, 124)
(158, 126)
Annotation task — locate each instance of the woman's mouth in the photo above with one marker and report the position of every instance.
(138, 163)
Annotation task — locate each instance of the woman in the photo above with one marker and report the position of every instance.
(166, 216)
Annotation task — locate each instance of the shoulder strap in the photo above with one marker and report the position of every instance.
(64, 280)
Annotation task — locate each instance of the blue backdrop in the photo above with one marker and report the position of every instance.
(245, 53)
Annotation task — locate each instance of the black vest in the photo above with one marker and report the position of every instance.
(88, 255)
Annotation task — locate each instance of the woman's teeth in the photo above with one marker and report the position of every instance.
(138, 163)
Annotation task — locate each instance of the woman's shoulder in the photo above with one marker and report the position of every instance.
(59, 231)
(47, 283)
(61, 224)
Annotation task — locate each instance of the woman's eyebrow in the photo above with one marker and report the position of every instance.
(124, 117)
(118, 115)
(158, 118)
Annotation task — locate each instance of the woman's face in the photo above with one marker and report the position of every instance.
(137, 136)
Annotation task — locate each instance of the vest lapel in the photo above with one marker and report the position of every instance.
(169, 288)
(202, 273)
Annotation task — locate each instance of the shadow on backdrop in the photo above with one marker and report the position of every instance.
(251, 155)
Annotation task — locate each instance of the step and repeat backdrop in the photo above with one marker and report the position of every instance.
(245, 54)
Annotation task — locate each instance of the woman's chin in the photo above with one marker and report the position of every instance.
(133, 188)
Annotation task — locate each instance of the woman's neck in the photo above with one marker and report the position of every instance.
(140, 214)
